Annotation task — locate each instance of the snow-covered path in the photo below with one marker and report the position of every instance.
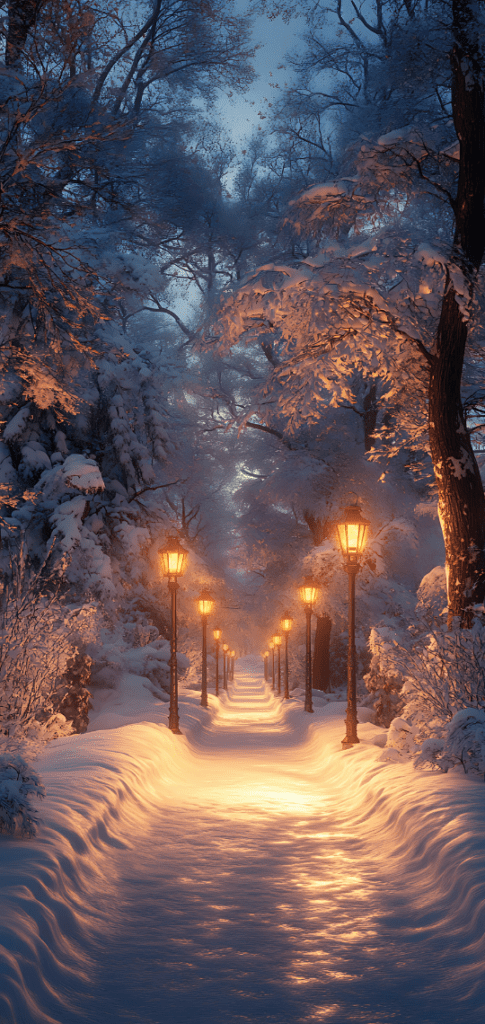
(253, 899)
(276, 881)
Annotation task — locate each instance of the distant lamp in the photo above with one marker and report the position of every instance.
(308, 592)
(352, 532)
(173, 560)
(205, 604)
(286, 623)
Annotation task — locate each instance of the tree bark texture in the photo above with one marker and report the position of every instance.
(321, 653)
(21, 17)
(460, 490)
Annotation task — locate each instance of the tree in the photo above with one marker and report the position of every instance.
(391, 291)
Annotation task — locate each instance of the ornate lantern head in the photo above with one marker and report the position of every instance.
(352, 532)
(309, 591)
(217, 633)
(205, 602)
(173, 558)
(286, 622)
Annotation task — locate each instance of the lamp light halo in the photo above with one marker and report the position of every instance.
(352, 531)
(277, 640)
(173, 557)
(217, 632)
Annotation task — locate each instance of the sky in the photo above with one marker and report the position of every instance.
(239, 115)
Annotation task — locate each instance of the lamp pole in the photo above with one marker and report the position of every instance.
(217, 637)
(265, 661)
(309, 593)
(271, 647)
(352, 531)
(285, 625)
(173, 715)
(205, 604)
(174, 559)
(225, 648)
(277, 647)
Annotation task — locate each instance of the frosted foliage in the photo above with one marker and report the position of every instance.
(38, 637)
(20, 785)
(83, 474)
(444, 682)
(432, 595)
(67, 522)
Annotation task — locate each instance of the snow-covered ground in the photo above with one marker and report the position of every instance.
(248, 870)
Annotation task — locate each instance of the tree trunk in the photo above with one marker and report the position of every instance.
(321, 653)
(460, 490)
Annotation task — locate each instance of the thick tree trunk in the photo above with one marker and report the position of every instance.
(321, 653)
(21, 17)
(461, 498)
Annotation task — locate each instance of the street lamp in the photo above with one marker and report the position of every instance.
(217, 637)
(205, 604)
(233, 658)
(308, 591)
(277, 642)
(285, 625)
(352, 532)
(271, 647)
(265, 661)
(225, 648)
(173, 559)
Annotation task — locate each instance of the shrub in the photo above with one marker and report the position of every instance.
(19, 785)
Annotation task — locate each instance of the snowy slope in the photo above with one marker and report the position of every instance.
(248, 870)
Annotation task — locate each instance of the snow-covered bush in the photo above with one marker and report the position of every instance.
(384, 681)
(40, 637)
(444, 699)
(463, 744)
(19, 785)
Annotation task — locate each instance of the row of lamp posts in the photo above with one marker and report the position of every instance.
(352, 531)
(174, 561)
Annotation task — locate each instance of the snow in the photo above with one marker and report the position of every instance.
(247, 870)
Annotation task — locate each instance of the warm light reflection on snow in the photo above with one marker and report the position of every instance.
(251, 871)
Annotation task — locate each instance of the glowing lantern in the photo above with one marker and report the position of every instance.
(309, 591)
(173, 558)
(286, 622)
(217, 634)
(352, 532)
(205, 602)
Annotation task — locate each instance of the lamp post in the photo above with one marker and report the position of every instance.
(285, 625)
(233, 658)
(308, 592)
(217, 637)
(205, 604)
(265, 661)
(225, 648)
(352, 531)
(271, 647)
(173, 558)
(277, 640)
